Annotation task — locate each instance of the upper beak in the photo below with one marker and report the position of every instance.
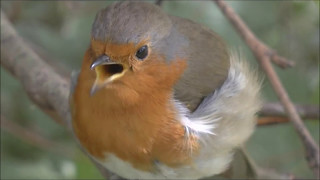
(102, 60)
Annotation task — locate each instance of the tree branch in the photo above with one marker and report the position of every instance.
(255, 44)
(276, 109)
(263, 121)
(34, 74)
(44, 86)
(264, 55)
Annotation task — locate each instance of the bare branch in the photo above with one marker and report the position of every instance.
(276, 109)
(262, 121)
(262, 53)
(254, 43)
(44, 86)
(34, 74)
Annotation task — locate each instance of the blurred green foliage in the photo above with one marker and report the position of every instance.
(60, 31)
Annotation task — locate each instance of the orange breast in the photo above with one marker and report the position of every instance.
(133, 117)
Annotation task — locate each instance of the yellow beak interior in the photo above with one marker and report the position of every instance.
(109, 72)
(106, 74)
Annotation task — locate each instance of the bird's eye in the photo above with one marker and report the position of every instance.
(142, 52)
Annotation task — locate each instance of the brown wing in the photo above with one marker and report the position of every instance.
(208, 62)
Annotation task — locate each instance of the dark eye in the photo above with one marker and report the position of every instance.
(142, 52)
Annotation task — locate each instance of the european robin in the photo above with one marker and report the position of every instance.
(160, 96)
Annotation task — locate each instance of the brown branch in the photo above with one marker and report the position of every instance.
(34, 138)
(276, 109)
(44, 86)
(262, 54)
(33, 73)
(254, 43)
(262, 121)
(271, 120)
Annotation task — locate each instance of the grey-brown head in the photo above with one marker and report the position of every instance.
(130, 22)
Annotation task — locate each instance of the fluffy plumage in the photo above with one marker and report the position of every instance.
(219, 128)
(180, 113)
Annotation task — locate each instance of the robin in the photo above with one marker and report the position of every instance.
(160, 96)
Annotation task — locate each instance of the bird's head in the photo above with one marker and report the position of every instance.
(113, 61)
(125, 42)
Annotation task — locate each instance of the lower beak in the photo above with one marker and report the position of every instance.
(106, 72)
(96, 87)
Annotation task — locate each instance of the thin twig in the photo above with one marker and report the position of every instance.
(259, 50)
(263, 121)
(276, 109)
(254, 43)
(34, 138)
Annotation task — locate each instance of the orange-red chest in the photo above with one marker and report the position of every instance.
(136, 124)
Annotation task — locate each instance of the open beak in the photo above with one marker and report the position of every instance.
(106, 72)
